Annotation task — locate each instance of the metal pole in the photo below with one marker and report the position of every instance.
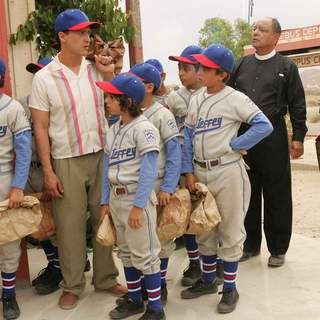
(135, 45)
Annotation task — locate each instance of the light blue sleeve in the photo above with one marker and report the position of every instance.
(148, 175)
(187, 151)
(22, 144)
(173, 166)
(260, 128)
(105, 181)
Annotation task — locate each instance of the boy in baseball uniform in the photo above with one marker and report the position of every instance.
(169, 161)
(178, 101)
(130, 169)
(213, 155)
(15, 157)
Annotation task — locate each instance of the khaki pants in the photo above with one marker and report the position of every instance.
(138, 248)
(81, 178)
(9, 252)
(167, 246)
(230, 186)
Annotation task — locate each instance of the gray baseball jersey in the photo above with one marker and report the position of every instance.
(215, 119)
(164, 121)
(13, 120)
(177, 102)
(125, 145)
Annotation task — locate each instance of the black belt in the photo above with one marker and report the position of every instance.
(204, 164)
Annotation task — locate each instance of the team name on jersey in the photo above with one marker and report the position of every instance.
(122, 155)
(204, 125)
(3, 131)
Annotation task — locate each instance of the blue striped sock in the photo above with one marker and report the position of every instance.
(163, 269)
(192, 247)
(153, 285)
(209, 266)
(230, 274)
(49, 250)
(8, 284)
(56, 260)
(133, 283)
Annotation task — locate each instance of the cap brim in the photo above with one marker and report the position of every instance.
(82, 25)
(34, 67)
(204, 61)
(181, 59)
(108, 87)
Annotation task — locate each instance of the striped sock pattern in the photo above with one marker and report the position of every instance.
(192, 247)
(8, 284)
(56, 260)
(230, 275)
(133, 283)
(49, 250)
(209, 266)
(153, 285)
(163, 269)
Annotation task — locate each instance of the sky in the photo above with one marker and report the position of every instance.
(168, 26)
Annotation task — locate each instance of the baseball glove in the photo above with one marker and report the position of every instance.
(205, 214)
(106, 234)
(20, 222)
(173, 218)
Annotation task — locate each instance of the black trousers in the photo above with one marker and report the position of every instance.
(270, 176)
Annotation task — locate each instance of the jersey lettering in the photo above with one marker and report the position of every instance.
(204, 125)
(3, 131)
(122, 155)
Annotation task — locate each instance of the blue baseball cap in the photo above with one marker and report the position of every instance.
(2, 68)
(125, 83)
(216, 56)
(147, 73)
(35, 67)
(156, 63)
(186, 55)
(73, 19)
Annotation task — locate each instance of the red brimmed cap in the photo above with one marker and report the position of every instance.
(35, 67)
(73, 19)
(187, 55)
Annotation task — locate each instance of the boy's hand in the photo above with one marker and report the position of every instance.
(135, 218)
(15, 198)
(163, 198)
(191, 182)
(104, 210)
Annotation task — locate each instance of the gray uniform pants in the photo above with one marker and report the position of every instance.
(138, 248)
(230, 186)
(9, 252)
(167, 246)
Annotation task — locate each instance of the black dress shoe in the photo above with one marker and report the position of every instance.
(276, 260)
(228, 301)
(10, 308)
(248, 254)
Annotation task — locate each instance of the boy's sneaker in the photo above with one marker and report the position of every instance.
(42, 275)
(228, 301)
(200, 288)
(50, 283)
(164, 294)
(10, 308)
(151, 314)
(191, 274)
(126, 309)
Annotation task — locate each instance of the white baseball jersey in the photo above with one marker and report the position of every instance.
(125, 145)
(13, 120)
(215, 119)
(164, 121)
(177, 102)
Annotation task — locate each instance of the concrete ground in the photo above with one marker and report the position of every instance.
(290, 292)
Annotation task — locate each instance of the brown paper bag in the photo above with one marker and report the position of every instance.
(106, 234)
(173, 218)
(47, 226)
(18, 223)
(205, 214)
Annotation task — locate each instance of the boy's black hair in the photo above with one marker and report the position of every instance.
(127, 104)
(221, 71)
(155, 90)
(1, 81)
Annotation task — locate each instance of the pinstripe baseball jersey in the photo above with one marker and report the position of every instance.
(125, 145)
(13, 120)
(215, 119)
(164, 121)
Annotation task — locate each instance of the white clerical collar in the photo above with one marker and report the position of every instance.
(266, 56)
